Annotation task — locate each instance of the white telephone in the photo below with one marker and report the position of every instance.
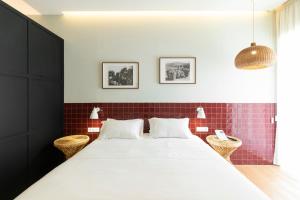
(221, 134)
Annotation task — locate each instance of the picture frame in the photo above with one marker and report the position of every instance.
(120, 75)
(177, 70)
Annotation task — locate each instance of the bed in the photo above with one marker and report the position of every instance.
(144, 169)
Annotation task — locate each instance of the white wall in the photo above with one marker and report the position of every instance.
(214, 40)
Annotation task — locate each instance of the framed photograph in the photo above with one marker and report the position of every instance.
(177, 70)
(120, 75)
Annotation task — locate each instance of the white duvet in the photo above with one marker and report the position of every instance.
(144, 169)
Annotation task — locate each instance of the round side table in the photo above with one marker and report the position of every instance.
(224, 147)
(71, 144)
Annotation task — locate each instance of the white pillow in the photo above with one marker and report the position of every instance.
(169, 128)
(141, 121)
(125, 129)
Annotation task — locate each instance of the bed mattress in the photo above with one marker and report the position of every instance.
(144, 169)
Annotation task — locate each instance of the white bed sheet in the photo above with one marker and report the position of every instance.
(144, 169)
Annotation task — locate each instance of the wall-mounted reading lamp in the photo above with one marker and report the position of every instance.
(94, 113)
(200, 113)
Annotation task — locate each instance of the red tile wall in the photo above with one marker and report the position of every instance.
(251, 122)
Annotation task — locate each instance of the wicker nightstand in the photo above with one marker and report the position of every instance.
(71, 144)
(224, 147)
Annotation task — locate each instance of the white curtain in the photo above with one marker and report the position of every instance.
(287, 147)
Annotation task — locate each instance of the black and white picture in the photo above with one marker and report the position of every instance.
(177, 70)
(122, 75)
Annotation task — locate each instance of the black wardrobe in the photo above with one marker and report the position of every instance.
(31, 101)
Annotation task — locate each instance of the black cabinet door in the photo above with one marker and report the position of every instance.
(44, 53)
(45, 125)
(13, 42)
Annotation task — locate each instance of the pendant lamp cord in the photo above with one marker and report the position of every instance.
(253, 20)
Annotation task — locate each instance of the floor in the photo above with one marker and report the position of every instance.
(272, 180)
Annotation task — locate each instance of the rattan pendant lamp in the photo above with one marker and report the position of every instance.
(255, 56)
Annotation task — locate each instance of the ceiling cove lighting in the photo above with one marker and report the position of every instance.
(155, 13)
(255, 56)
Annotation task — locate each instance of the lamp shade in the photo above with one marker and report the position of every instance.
(200, 113)
(255, 57)
(94, 113)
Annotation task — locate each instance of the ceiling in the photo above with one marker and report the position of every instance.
(54, 7)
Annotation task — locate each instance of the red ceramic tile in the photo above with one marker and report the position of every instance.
(250, 122)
